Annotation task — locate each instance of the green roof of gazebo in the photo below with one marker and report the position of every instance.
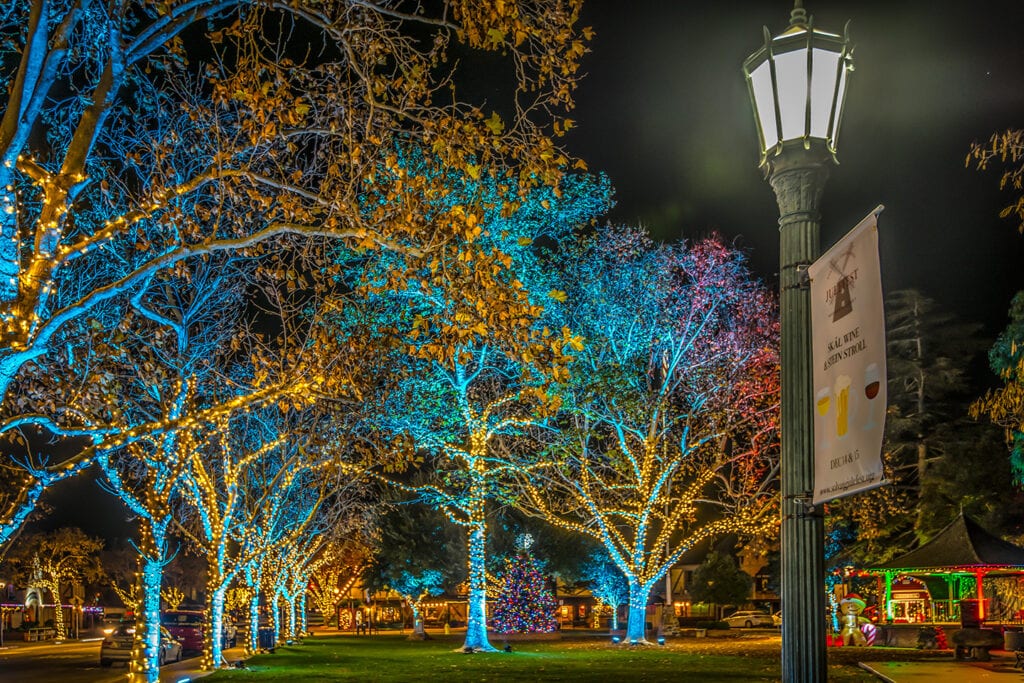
(962, 545)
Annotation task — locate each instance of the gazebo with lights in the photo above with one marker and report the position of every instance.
(962, 550)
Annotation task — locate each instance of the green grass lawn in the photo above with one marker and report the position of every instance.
(393, 658)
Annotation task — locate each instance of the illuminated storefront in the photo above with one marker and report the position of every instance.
(936, 581)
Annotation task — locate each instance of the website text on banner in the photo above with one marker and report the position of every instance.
(848, 342)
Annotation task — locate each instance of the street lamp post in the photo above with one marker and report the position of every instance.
(797, 83)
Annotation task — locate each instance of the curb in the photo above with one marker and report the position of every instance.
(881, 677)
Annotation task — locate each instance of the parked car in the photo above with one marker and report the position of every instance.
(186, 626)
(112, 618)
(749, 619)
(190, 626)
(117, 645)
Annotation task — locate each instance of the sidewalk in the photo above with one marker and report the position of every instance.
(947, 671)
(188, 669)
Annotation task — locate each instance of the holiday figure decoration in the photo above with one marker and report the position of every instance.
(851, 607)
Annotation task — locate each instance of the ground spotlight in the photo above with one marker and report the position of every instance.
(508, 648)
(615, 639)
(661, 641)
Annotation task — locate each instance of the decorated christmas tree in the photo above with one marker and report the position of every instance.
(525, 604)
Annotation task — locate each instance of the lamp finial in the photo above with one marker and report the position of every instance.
(798, 17)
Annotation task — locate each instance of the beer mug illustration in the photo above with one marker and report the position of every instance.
(842, 404)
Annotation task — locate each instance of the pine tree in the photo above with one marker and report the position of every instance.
(928, 350)
(718, 580)
(525, 603)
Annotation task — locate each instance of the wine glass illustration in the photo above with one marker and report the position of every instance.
(872, 385)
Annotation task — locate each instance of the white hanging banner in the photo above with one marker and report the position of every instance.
(848, 342)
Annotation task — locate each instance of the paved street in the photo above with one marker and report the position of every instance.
(71, 662)
(78, 662)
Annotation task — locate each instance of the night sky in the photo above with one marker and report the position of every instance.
(664, 111)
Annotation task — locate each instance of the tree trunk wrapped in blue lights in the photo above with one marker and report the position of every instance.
(476, 621)
(145, 660)
(213, 638)
(636, 623)
(275, 612)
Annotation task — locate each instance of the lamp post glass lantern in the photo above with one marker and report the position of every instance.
(797, 82)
